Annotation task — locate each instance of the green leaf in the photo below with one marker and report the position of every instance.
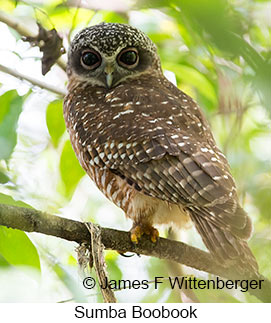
(111, 261)
(3, 262)
(17, 248)
(10, 109)
(70, 169)
(190, 75)
(55, 121)
(4, 104)
(3, 178)
(262, 198)
(7, 199)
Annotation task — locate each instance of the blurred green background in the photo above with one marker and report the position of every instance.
(217, 51)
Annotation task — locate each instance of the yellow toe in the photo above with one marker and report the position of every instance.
(138, 230)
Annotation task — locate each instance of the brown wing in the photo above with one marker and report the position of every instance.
(205, 188)
(177, 177)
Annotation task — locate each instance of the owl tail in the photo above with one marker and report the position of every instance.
(229, 249)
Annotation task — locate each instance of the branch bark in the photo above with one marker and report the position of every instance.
(32, 80)
(31, 220)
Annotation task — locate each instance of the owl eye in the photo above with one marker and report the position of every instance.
(128, 58)
(90, 59)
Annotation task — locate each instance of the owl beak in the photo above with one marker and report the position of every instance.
(109, 79)
(109, 69)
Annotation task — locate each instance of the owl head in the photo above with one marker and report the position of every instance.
(108, 53)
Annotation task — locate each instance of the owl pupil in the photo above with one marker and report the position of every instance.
(129, 58)
(90, 59)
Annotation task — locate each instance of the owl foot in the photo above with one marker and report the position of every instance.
(137, 232)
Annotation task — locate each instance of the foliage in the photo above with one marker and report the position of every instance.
(219, 51)
(11, 107)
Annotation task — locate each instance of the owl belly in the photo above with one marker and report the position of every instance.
(139, 207)
(153, 211)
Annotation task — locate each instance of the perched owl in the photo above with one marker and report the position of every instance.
(147, 145)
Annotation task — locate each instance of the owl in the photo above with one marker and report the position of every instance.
(146, 144)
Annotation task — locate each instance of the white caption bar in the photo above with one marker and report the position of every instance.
(44, 313)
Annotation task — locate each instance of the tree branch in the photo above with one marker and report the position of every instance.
(31, 220)
(32, 80)
(24, 31)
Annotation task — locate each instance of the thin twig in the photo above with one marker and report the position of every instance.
(31, 220)
(24, 31)
(32, 80)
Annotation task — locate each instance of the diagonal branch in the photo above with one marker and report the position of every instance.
(32, 80)
(31, 220)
